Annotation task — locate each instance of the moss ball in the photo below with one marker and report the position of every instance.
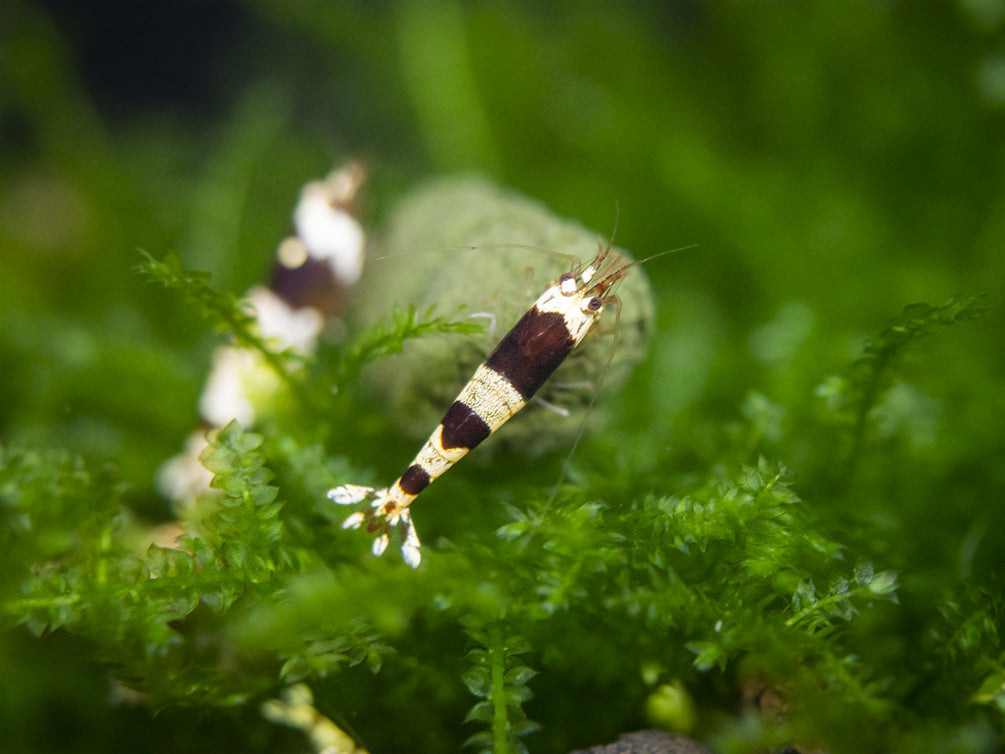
(424, 258)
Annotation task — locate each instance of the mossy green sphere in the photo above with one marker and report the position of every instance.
(424, 258)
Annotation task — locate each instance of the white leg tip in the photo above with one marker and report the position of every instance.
(552, 406)
(380, 544)
(411, 555)
(354, 521)
(347, 494)
(410, 544)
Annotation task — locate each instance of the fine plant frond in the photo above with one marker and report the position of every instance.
(971, 624)
(498, 678)
(82, 574)
(241, 533)
(760, 506)
(717, 567)
(969, 639)
(856, 394)
(88, 569)
(388, 337)
(323, 652)
(61, 525)
(815, 612)
(226, 312)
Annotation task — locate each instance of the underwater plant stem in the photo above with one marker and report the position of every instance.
(500, 721)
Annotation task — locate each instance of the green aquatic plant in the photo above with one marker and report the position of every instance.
(622, 579)
(499, 679)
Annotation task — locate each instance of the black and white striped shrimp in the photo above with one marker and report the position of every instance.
(522, 362)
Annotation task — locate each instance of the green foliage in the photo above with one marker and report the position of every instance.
(241, 533)
(388, 337)
(77, 572)
(816, 612)
(225, 311)
(99, 584)
(722, 570)
(855, 395)
(79, 563)
(499, 679)
(233, 315)
(60, 518)
(969, 640)
(795, 527)
(87, 577)
(722, 578)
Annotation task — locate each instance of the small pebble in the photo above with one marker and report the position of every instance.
(648, 742)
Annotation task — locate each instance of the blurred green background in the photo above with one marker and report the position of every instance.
(833, 162)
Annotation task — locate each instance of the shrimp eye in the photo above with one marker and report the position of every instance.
(594, 305)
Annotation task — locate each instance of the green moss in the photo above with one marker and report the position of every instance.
(424, 259)
(793, 512)
(730, 573)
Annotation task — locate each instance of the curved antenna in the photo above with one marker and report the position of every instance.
(614, 230)
(611, 277)
(660, 254)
